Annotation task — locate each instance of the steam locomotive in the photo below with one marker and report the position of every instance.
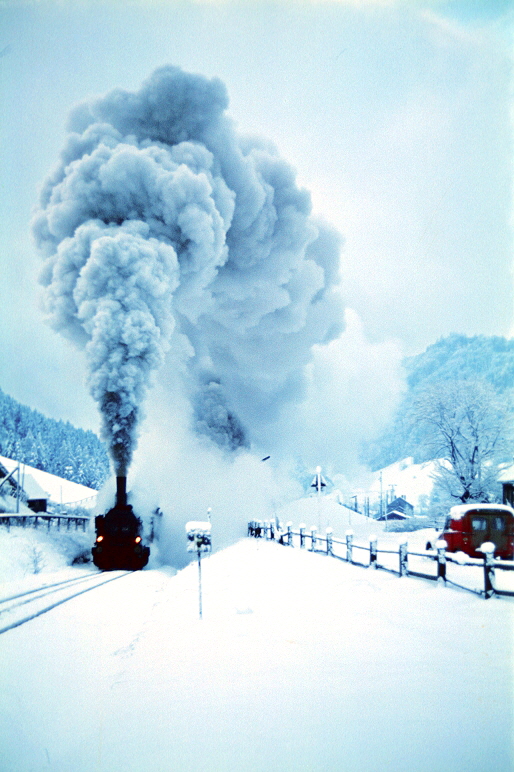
(119, 536)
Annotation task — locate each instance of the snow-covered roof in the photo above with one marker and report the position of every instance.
(394, 514)
(32, 488)
(457, 512)
(57, 489)
(507, 474)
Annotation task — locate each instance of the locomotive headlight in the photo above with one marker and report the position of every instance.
(137, 539)
(99, 538)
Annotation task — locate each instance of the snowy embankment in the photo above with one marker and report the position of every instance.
(300, 664)
(30, 552)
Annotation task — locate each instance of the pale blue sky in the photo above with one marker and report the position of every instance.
(394, 114)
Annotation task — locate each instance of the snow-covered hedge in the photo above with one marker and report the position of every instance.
(411, 524)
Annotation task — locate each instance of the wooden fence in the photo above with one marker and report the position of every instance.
(398, 564)
(39, 519)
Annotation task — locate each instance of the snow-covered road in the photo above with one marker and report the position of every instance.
(300, 664)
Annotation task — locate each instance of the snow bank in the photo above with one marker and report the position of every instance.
(25, 552)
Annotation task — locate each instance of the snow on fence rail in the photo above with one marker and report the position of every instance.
(449, 569)
(42, 519)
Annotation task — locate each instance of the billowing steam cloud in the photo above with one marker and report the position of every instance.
(162, 227)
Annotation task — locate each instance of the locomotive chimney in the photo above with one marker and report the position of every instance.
(121, 491)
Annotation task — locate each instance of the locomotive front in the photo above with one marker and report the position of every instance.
(119, 536)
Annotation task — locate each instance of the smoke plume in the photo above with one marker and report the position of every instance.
(161, 228)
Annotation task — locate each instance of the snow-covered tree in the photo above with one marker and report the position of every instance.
(469, 428)
(54, 446)
(453, 358)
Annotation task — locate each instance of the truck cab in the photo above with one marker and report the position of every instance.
(468, 526)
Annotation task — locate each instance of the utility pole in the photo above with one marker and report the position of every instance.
(381, 504)
(18, 490)
(318, 494)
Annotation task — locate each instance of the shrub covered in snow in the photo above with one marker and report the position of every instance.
(25, 551)
(410, 524)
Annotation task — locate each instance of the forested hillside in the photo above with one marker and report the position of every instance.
(455, 358)
(460, 358)
(54, 446)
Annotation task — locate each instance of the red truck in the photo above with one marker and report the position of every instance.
(468, 526)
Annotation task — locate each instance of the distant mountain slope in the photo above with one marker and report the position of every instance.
(54, 446)
(454, 358)
(458, 357)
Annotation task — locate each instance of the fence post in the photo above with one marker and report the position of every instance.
(314, 532)
(488, 549)
(349, 545)
(441, 560)
(373, 551)
(329, 533)
(302, 535)
(289, 534)
(403, 557)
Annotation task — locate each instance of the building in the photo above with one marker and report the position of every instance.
(20, 485)
(398, 509)
(506, 478)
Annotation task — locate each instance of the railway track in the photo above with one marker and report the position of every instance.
(16, 610)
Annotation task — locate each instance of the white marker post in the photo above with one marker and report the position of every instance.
(199, 538)
(318, 483)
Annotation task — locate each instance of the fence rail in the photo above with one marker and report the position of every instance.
(311, 540)
(47, 519)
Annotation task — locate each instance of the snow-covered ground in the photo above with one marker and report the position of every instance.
(301, 663)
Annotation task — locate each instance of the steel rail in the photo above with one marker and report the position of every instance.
(46, 587)
(22, 621)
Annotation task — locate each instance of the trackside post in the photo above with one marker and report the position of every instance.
(199, 538)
